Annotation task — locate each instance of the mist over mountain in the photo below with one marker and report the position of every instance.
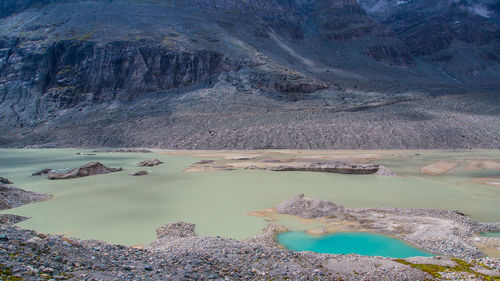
(250, 74)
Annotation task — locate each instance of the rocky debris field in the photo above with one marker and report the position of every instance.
(11, 197)
(90, 169)
(8, 219)
(441, 232)
(329, 74)
(179, 254)
(34, 256)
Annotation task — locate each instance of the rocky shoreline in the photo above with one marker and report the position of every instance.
(443, 232)
(184, 256)
(179, 254)
(11, 197)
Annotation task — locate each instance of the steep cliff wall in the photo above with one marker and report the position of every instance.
(200, 66)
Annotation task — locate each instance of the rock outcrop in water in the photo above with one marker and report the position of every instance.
(332, 167)
(140, 173)
(128, 150)
(150, 163)
(90, 169)
(42, 172)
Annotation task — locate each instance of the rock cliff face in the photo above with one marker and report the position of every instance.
(446, 32)
(190, 66)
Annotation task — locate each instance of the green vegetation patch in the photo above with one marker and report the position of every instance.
(6, 275)
(462, 266)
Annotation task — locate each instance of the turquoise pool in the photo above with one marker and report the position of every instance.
(368, 244)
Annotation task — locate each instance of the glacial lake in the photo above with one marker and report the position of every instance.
(122, 209)
(491, 234)
(368, 244)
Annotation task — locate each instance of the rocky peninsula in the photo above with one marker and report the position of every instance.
(442, 232)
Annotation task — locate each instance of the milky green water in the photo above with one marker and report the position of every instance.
(368, 244)
(118, 208)
(491, 234)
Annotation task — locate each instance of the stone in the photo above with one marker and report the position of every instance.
(41, 172)
(150, 162)
(139, 173)
(90, 169)
(29, 273)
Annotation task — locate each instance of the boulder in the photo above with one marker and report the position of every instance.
(90, 169)
(203, 162)
(41, 172)
(309, 208)
(176, 229)
(384, 171)
(5, 181)
(150, 162)
(332, 167)
(140, 173)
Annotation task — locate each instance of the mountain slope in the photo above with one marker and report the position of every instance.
(238, 74)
